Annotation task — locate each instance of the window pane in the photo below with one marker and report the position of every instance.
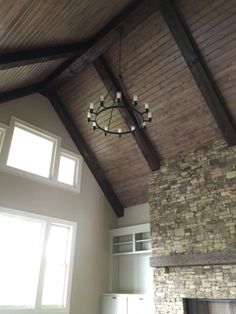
(67, 169)
(30, 152)
(54, 285)
(57, 255)
(57, 246)
(20, 247)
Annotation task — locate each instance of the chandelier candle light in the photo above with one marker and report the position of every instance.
(140, 118)
(136, 119)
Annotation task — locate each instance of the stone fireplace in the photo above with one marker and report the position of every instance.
(199, 306)
(193, 225)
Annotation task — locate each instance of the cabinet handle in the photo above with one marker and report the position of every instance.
(140, 299)
(114, 298)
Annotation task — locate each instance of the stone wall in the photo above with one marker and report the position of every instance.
(193, 210)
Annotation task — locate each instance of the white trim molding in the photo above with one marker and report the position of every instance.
(5, 144)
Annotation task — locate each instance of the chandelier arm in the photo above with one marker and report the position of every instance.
(123, 107)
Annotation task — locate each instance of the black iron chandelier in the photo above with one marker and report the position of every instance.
(138, 120)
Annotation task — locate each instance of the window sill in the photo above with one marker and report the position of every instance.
(34, 177)
(34, 311)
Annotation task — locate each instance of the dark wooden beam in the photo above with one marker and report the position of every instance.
(85, 150)
(19, 92)
(21, 58)
(217, 258)
(199, 70)
(128, 20)
(113, 85)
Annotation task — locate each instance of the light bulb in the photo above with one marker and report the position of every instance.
(101, 100)
(119, 131)
(89, 116)
(91, 106)
(132, 128)
(149, 116)
(106, 129)
(118, 96)
(146, 106)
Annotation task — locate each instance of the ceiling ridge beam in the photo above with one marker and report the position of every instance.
(113, 85)
(14, 59)
(19, 92)
(199, 70)
(127, 20)
(84, 149)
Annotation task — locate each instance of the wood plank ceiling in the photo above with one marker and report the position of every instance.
(153, 67)
(32, 24)
(40, 23)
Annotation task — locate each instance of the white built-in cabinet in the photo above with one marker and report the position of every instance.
(126, 304)
(114, 303)
(130, 276)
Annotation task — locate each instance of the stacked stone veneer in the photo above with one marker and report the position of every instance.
(193, 210)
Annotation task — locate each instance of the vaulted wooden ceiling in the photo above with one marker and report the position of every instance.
(178, 56)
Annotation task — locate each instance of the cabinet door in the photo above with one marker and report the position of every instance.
(137, 305)
(109, 304)
(122, 304)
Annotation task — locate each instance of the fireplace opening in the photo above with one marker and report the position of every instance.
(200, 306)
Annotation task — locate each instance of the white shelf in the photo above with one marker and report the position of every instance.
(131, 240)
(144, 240)
(130, 250)
(121, 243)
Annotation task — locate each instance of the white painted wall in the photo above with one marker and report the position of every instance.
(89, 209)
(135, 215)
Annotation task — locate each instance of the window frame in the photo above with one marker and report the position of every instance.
(54, 167)
(3, 129)
(38, 308)
(78, 168)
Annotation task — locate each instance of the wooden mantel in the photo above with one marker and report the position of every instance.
(206, 259)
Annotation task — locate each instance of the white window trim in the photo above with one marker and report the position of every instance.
(5, 145)
(3, 129)
(46, 309)
(78, 168)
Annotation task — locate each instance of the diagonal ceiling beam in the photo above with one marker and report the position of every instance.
(113, 85)
(26, 57)
(19, 92)
(128, 20)
(85, 150)
(199, 70)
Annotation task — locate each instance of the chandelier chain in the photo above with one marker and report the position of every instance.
(139, 118)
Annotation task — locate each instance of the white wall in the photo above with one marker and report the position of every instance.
(89, 208)
(135, 215)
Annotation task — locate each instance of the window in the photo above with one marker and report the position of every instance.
(57, 262)
(36, 154)
(68, 168)
(2, 133)
(36, 263)
(31, 151)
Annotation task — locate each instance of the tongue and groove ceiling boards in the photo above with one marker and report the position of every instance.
(179, 56)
